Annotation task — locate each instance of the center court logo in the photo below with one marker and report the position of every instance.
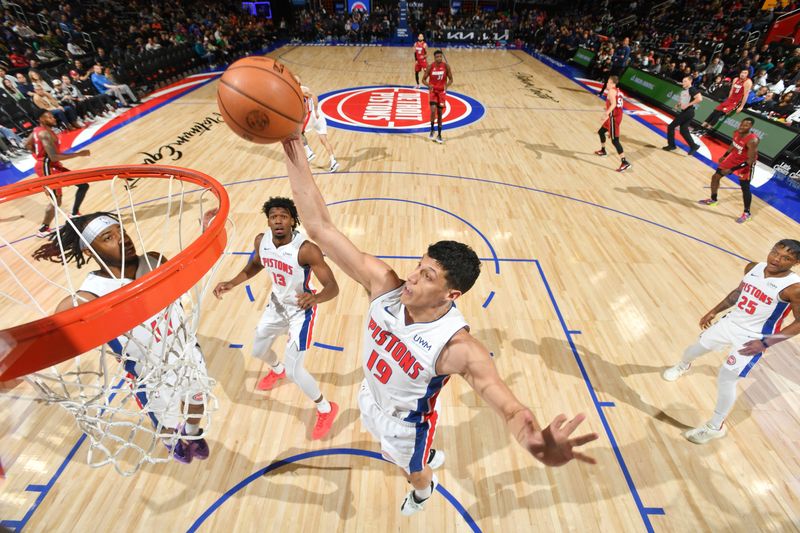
(390, 109)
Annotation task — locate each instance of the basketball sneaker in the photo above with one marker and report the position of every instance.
(439, 140)
(601, 152)
(435, 459)
(269, 381)
(181, 452)
(411, 505)
(430, 136)
(198, 447)
(624, 166)
(44, 231)
(668, 148)
(674, 372)
(744, 218)
(334, 165)
(310, 155)
(692, 151)
(324, 422)
(708, 201)
(705, 433)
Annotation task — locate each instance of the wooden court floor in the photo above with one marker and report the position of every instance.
(598, 280)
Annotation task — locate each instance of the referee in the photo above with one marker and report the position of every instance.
(689, 99)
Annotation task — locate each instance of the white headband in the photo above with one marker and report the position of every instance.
(95, 228)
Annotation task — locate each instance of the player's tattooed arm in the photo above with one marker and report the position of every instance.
(48, 142)
(252, 268)
(729, 301)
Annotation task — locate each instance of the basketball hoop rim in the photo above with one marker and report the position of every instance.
(50, 340)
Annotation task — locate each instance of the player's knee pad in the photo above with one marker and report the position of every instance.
(293, 360)
(602, 133)
(727, 377)
(617, 144)
(262, 342)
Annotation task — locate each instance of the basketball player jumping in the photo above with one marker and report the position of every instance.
(290, 258)
(737, 98)
(99, 236)
(420, 57)
(414, 340)
(740, 159)
(316, 121)
(763, 299)
(441, 77)
(612, 119)
(46, 150)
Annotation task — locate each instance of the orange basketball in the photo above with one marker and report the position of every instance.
(260, 100)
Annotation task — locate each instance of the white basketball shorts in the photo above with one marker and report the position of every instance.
(298, 323)
(725, 334)
(405, 444)
(319, 125)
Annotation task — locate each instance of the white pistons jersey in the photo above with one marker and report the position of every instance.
(289, 278)
(309, 104)
(163, 332)
(400, 359)
(760, 309)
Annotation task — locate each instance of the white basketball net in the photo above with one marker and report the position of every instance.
(132, 395)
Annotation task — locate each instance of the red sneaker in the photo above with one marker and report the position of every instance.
(324, 422)
(269, 381)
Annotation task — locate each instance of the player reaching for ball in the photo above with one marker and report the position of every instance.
(414, 339)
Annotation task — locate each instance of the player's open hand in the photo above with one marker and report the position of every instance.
(705, 322)
(553, 445)
(306, 300)
(753, 347)
(222, 288)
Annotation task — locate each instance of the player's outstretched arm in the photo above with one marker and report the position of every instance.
(552, 445)
(252, 268)
(369, 271)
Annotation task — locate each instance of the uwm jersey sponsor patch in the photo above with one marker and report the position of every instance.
(389, 109)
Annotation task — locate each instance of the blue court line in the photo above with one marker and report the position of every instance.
(329, 347)
(308, 455)
(607, 404)
(643, 511)
(423, 204)
(249, 293)
(505, 184)
(358, 54)
(43, 490)
(236, 346)
(574, 332)
(488, 300)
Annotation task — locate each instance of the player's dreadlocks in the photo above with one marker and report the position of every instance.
(285, 203)
(70, 241)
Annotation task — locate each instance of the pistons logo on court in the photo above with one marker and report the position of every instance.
(390, 109)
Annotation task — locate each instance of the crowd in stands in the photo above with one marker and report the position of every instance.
(86, 61)
(710, 41)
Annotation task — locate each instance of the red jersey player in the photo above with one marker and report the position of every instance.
(47, 151)
(420, 57)
(612, 119)
(441, 77)
(740, 159)
(735, 102)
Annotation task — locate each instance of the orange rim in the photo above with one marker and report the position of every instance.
(54, 339)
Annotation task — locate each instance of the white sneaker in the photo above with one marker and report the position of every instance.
(439, 140)
(410, 504)
(435, 459)
(430, 136)
(705, 433)
(334, 166)
(674, 372)
(311, 156)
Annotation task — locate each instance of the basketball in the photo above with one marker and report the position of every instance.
(260, 100)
